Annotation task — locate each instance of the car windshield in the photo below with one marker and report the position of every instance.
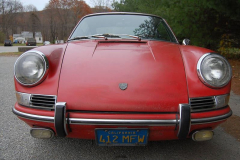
(123, 26)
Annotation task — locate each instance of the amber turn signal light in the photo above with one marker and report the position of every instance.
(203, 135)
(42, 133)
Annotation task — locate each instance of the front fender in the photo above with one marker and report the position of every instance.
(196, 88)
(49, 86)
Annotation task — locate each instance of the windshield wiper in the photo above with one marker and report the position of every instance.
(87, 37)
(99, 36)
(78, 38)
(137, 37)
(105, 36)
(115, 36)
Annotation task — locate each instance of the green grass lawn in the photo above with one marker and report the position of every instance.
(18, 44)
(11, 53)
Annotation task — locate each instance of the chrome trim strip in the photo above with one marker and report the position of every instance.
(33, 116)
(211, 119)
(116, 13)
(128, 122)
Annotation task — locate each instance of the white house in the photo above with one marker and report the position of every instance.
(38, 37)
(26, 34)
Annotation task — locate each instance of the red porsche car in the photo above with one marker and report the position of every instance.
(122, 79)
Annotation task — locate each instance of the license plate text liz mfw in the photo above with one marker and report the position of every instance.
(122, 139)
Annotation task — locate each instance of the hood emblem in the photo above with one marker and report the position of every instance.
(123, 86)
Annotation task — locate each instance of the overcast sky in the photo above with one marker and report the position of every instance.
(40, 4)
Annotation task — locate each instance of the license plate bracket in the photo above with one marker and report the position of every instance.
(121, 137)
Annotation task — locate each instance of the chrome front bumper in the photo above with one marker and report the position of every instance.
(183, 121)
(124, 122)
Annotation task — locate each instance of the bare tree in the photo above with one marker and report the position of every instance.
(30, 8)
(80, 9)
(35, 23)
(51, 22)
(62, 9)
(8, 11)
(62, 16)
(57, 19)
(102, 5)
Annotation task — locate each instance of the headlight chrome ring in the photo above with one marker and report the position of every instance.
(214, 70)
(31, 68)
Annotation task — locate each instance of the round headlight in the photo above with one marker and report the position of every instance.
(31, 68)
(214, 70)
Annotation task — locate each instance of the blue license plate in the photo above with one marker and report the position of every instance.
(121, 137)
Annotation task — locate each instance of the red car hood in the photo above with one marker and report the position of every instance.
(92, 71)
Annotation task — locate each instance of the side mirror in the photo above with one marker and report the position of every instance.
(186, 42)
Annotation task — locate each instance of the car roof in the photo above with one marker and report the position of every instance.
(121, 13)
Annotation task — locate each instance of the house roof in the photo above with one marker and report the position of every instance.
(38, 34)
(27, 34)
(16, 35)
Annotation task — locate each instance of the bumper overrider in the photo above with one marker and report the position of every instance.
(182, 122)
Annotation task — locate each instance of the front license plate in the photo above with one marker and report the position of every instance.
(121, 137)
